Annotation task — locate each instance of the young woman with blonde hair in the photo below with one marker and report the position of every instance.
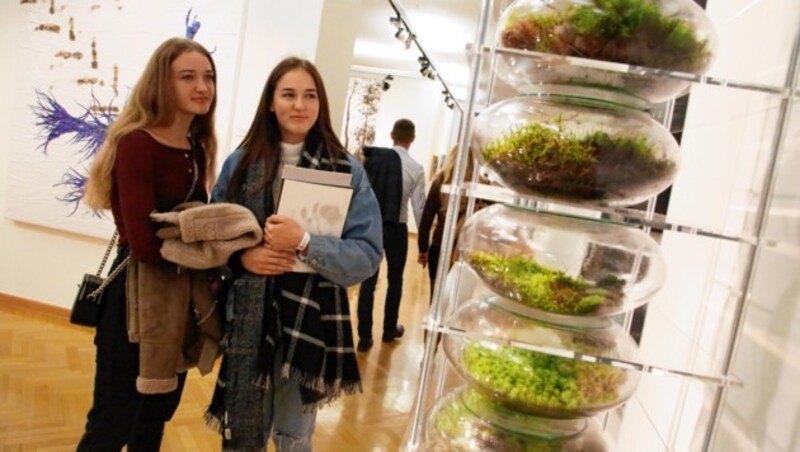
(431, 225)
(160, 151)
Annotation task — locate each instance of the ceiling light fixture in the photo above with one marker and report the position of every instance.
(385, 84)
(401, 34)
(406, 35)
(426, 68)
(409, 40)
(448, 99)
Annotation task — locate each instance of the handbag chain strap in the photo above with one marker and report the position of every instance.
(97, 292)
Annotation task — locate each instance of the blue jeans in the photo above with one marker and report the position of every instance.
(284, 419)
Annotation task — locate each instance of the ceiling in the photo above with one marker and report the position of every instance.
(442, 28)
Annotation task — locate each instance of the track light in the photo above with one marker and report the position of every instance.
(404, 36)
(426, 69)
(424, 66)
(385, 84)
(448, 99)
(409, 39)
(401, 34)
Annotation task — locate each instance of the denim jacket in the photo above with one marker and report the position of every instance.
(345, 260)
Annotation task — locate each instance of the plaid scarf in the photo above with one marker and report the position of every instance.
(303, 314)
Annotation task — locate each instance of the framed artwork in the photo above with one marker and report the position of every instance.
(75, 64)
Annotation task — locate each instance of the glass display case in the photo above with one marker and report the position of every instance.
(575, 145)
(466, 421)
(671, 35)
(510, 356)
(562, 265)
(688, 271)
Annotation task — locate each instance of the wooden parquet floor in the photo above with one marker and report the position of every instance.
(47, 369)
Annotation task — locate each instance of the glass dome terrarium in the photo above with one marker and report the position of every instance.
(559, 264)
(673, 35)
(534, 379)
(568, 145)
(464, 420)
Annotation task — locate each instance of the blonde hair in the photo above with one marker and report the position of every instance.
(151, 104)
(449, 166)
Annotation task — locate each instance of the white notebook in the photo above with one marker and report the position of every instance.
(317, 200)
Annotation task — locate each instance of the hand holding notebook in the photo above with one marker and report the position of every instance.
(317, 200)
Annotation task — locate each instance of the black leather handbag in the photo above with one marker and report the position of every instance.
(86, 307)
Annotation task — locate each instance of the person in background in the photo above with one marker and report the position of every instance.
(160, 151)
(289, 343)
(395, 244)
(431, 227)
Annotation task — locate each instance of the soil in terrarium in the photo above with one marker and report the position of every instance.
(542, 384)
(625, 31)
(522, 279)
(548, 161)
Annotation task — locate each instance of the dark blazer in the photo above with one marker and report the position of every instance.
(385, 172)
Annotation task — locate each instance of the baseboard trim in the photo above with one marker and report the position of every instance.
(18, 305)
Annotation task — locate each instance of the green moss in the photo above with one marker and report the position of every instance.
(547, 160)
(457, 422)
(625, 31)
(521, 278)
(542, 384)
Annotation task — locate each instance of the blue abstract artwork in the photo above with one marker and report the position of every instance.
(75, 63)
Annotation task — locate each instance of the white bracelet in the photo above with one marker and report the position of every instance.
(304, 241)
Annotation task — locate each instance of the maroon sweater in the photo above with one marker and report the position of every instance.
(150, 176)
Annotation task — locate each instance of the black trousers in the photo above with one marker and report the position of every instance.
(395, 245)
(434, 251)
(120, 415)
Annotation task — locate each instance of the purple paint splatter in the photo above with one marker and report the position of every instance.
(88, 129)
(192, 24)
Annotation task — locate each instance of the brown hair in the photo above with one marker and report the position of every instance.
(403, 131)
(263, 139)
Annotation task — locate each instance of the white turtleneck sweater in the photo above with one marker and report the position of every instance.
(290, 155)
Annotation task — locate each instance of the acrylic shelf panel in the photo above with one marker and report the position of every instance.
(547, 60)
(614, 215)
(692, 327)
(691, 350)
(627, 365)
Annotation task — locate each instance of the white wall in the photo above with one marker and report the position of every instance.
(335, 54)
(727, 138)
(44, 264)
(273, 30)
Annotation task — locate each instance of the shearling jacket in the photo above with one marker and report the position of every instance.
(203, 236)
(172, 315)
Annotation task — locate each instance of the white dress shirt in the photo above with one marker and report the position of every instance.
(413, 186)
